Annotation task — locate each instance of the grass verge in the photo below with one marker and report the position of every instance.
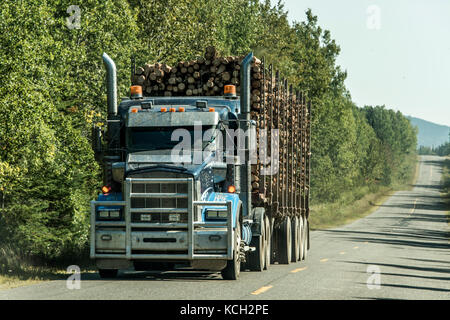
(329, 215)
(356, 204)
(16, 270)
(29, 276)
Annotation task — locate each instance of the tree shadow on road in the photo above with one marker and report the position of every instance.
(403, 286)
(436, 163)
(438, 275)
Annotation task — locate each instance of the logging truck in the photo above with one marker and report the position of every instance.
(205, 174)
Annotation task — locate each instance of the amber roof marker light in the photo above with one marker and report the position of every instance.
(229, 91)
(136, 92)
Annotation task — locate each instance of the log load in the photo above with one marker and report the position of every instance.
(274, 105)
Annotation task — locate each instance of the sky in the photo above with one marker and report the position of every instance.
(396, 52)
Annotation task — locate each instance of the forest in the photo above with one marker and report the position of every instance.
(53, 89)
(441, 150)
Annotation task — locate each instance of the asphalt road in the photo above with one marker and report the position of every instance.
(401, 251)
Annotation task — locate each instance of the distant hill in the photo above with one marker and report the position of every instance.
(430, 134)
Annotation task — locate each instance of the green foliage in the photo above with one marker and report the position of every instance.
(52, 89)
(51, 82)
(398, 141)
(442, 150)
(423, 150)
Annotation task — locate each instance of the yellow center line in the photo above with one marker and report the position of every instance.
(324, 260)
(356, 247)
(299, 269)
(261, 290)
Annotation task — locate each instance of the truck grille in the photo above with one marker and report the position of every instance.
(154, 203)
(173, 195)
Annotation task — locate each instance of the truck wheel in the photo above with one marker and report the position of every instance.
(107, 273)
(295, 240)
(233, 268)
(285, 242)
(257, 258)
(268, 246)
(301, 238)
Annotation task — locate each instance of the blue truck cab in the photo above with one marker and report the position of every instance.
(174, 196)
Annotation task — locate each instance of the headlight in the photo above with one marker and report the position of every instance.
(109, 214)
(103, 214)
(174, 217)
(215, 214)
(114, 214)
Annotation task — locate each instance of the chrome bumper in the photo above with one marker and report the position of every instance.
(125, 239)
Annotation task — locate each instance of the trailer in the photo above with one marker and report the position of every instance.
(198, 178)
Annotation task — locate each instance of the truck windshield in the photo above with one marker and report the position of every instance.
(142, 139)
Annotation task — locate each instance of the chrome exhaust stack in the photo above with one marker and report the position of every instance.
(111, 84)
(246, 173)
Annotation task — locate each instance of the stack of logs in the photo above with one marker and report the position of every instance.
(274, 105)
(286, 188)
(204, 76)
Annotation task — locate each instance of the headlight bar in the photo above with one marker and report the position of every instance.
(112, 214)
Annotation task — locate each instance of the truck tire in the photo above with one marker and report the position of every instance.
(107, 273)
(285, 242)
(257, 258)
(301, 239)
(268, 247)
(233, 268)
(295, 240)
